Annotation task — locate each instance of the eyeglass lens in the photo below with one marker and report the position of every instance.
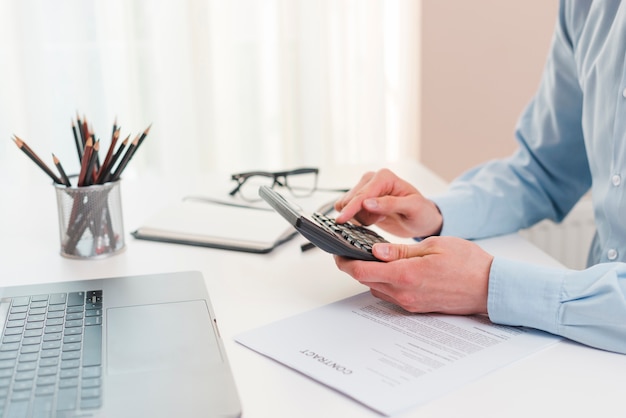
(300, 184)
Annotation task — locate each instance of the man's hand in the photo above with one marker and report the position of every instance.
(440, 274)
(382, 198)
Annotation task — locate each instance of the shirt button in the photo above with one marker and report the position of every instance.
(616, 180)
(612, 254)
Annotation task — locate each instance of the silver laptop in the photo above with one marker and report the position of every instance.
(142, 346)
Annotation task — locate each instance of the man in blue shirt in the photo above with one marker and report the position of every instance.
(572, 139)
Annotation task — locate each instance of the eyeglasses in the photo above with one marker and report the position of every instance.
(301, 182)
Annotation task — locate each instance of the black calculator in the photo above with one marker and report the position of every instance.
(347, 240)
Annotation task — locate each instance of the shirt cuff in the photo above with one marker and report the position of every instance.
(454, 210)
(522, 294)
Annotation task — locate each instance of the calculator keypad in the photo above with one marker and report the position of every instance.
(359, 236)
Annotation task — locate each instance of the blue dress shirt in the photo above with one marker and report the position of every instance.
(572, 139)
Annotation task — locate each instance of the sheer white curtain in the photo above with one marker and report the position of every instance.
(227, 84)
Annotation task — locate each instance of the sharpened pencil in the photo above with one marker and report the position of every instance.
(124, 162)
(109, 170)
(144, 135)
(91, 165)
(64, 177)
(78, 142)
(104, 169)
(31, 154)
(85, 162)
(130, 153)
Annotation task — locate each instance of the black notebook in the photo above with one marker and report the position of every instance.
(224, 224)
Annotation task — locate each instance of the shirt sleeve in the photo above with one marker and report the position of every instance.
(586, 306)
(547, 174)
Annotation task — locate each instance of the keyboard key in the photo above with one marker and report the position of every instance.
(9, 346)
(90, 393)
(71, 382)
(23, 385)
(17, 316)
(12, 339)
(46, 380)
(44, 390)
(20, 395)
(70, 364)
(42, 304)
(93, 312)
(31, 340)
(29, 365)
(56, 336)
(33, 332)
(7, 364)
(13, 331)
(56, 308)
(93, 371)
(74, 309)
(30, 349)
(57, 298)
(72, 339)
(26, 375)
(66, 373)
(91, 403)
(71, 347)
(36, 318)
(93, 320)
(28, 357)
(47, 371)
(49, 361)
(73, 324)
(21, 301)
(15, 324)
(70, 355)
(42, 406)
(8, 355)
(17, 410)
(54, 321)
(55, 314)
(51, 344)
(73, 316)
(51, 353)
(66, 399)
(19, 309)
(37, 311)
(53, 328)
(73, 331)
(92, 346)
(76, 298)
(34, 325)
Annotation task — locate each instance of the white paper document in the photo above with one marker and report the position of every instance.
(389, 359)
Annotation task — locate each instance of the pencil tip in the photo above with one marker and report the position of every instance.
(147, 129)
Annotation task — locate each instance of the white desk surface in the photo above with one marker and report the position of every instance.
(250, 290)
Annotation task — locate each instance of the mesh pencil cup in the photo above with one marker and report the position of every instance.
(90, 220)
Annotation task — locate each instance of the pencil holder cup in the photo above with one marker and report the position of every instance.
(90, 220)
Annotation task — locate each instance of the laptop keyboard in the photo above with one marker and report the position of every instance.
(51, 354)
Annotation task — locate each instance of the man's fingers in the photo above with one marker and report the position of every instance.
(391, 252)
